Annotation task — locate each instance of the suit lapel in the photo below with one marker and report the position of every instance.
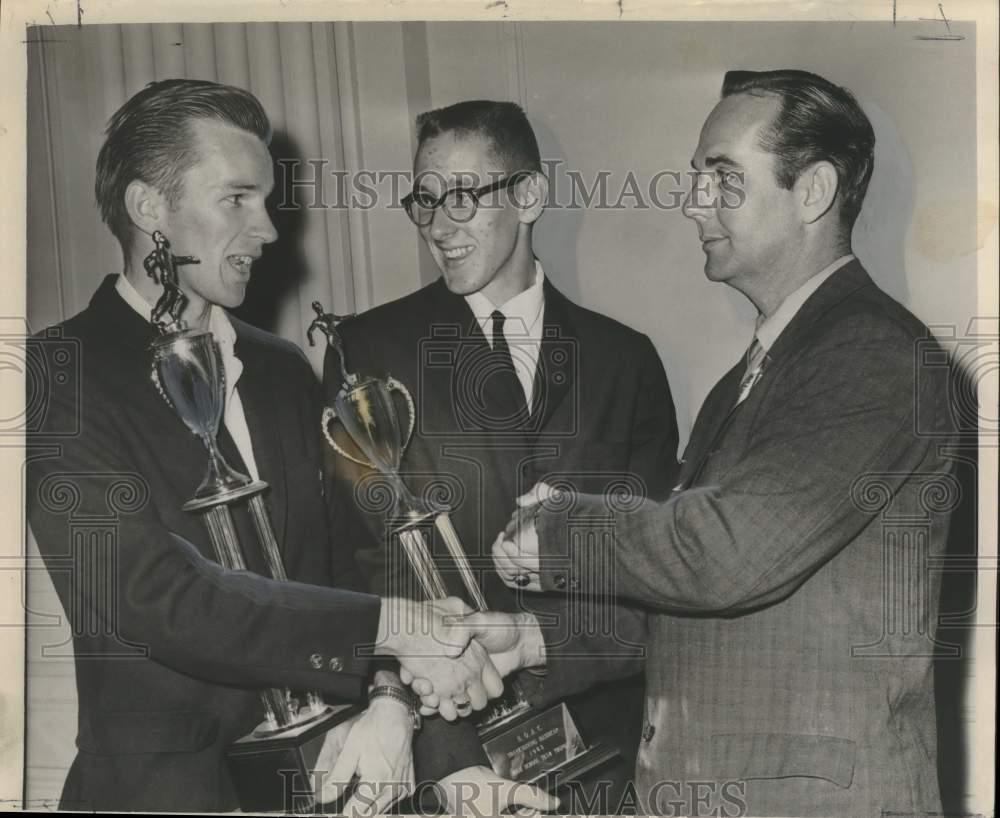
(119, 324)
(842, 284)
(720, 405)
(130, 336)
(556, 373)
(473, 399)
(185, 462)
(712, 420)
(453, 391)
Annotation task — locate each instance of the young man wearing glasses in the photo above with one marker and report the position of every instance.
(512, 382)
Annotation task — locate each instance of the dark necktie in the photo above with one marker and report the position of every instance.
(503, 376)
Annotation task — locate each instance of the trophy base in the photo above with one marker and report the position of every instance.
(541, 747)
(218, 498)
(272, 770)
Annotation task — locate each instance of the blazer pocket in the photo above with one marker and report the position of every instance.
(132, 732)
(743, 756)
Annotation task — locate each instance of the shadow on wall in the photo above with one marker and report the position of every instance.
(555, 234)
(958, 599)
(880, 233)
(282, 267)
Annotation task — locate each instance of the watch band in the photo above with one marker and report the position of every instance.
(403, 696)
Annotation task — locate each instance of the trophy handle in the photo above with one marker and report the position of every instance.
(328, 416)
(155, 376)
(395, 386)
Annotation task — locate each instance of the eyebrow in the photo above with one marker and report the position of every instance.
(720, 159)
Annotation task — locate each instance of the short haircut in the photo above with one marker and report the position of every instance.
(818, 121)
(149, 139)
(502, 123)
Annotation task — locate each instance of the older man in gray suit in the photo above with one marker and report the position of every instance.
(790, 603)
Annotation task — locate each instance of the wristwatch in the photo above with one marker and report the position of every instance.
(403, 696)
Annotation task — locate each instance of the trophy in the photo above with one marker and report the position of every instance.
(522, 743)
(277, 757)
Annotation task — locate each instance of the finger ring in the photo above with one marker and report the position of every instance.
(522, 580)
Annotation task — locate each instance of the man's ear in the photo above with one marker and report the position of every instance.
(530, 196)
(146, 206)
(817, 190)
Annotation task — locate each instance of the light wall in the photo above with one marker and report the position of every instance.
(632, 97)
(603, 98)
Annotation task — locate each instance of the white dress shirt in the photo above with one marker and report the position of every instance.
(768, 329)
(225, 337)
(522, 327)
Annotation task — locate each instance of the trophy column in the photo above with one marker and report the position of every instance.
(272, 766)
(522, 743)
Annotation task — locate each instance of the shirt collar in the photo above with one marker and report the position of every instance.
(218, 322)
(768, 329)
(524, 307)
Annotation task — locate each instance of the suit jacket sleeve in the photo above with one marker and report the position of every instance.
(226, 627)
(755, 531)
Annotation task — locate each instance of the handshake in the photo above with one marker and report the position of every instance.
(455, 658)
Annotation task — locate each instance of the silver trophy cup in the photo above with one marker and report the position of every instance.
(369, 416)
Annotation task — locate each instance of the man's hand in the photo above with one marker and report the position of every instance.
(408, 629)
(454, 687)
(515, 550)
(514, 641)
(432, 644)
(480, 792)
(377, 748)
(434, 699)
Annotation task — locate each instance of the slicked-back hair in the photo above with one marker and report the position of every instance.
(149, 139)
(817, 121)
(502, 123)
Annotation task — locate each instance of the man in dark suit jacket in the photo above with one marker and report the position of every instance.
(169, 647)
(578, 399)
(790, 586)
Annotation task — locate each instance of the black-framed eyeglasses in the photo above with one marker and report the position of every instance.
(459, 203)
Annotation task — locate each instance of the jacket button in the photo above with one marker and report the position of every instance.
(574, 585)
(559, 581)
(648, 731)
(336, 664)
(316, 660)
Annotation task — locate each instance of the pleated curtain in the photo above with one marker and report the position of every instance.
(301, 74)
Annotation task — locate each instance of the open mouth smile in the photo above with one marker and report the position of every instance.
(456, 253)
